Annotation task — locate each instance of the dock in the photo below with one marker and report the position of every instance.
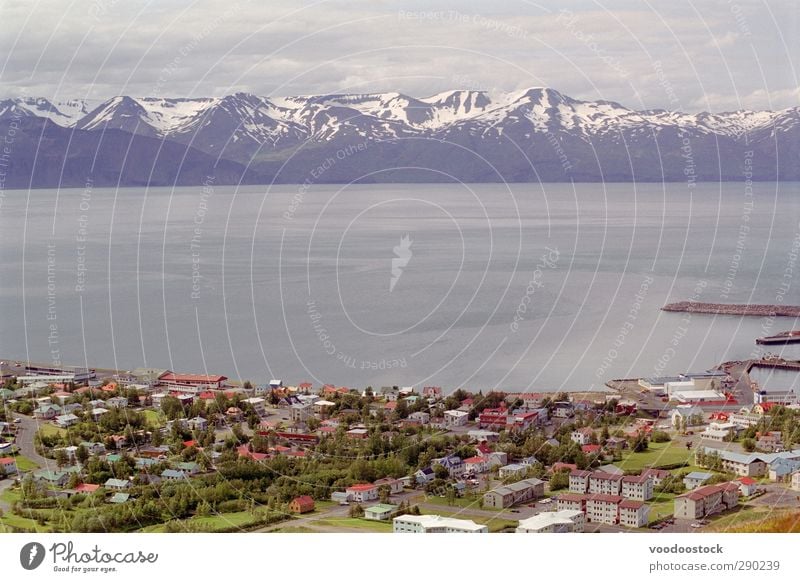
(746, 309)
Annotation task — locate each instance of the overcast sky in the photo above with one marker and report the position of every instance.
(712, 55)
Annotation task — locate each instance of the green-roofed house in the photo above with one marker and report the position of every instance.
(118, 484)
(53, 478)
(188, 468)
(114, 458)
(380, 512)
(119, 497)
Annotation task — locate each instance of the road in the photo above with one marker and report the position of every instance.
(25, 433)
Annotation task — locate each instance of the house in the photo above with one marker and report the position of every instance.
(173, 475)
(781, 470)
(87, 488)
(47, 412)
(432, 392)
(117, 484)
(747, 485)
(301, 412)
(521, 420)
(770, 441)
(616, 443)
(561, 521)
(579, 481)
(686, 415)
(638, 487)
(633, 513)
(119, 497)
(435, 524)
(52, 478)
(514, 493)
(563, 410)
(602, 508)
(357, 433)
(98, 412)
(454, 465)
(379, 512)
(362, 492)
(495, 458)
(420, 417)
(198, 423)
(8, 466)
(493, 418)
(513, 470)
(582, 436)
(572, 501)
(746, 465)
(796, 481)
(745, 418)
(476, 465)
(707, 500)
(720, 431)
(695, 479)
(117, 402)
(302, 504)
(657, 476)
(395, 485)
(481, 436)
(66, 420)
(455, 418)
(605, 483)
(424, 476)
(591, 449)
(188, 468)
(257, 404)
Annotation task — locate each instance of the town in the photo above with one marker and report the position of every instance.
(152, 450)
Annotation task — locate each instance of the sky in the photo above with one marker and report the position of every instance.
(709, 55)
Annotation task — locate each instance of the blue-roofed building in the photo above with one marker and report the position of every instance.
(172, 475)
(696, 479)
(750, 464)
(782, 469)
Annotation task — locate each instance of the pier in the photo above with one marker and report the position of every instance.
(748, 309)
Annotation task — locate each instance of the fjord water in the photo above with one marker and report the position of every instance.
(526, 286)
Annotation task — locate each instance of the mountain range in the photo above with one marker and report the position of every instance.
(530, 135)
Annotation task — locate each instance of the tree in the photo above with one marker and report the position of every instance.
(440, 472)
(383, 493)
(61, 458)
(559, 480)
(749, 445)
(356, 510)
(248, 386)
(82, 454)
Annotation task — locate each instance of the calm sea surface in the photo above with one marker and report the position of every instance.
(522, 287)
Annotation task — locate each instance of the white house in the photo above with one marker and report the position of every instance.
(420, 417)
(582, 436)
(638, 487)
(796, 481)
(257, 404)
(695, 479)
(562, 521)
(633, 513)
(687, 414)
(455, 418)
(362, 492)
(435, 524)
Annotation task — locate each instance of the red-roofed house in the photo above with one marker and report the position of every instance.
(747, 485)
(475, 465)
(8, 466)
(362, 492)
(591, 449)
(302, 504)
(87, 488)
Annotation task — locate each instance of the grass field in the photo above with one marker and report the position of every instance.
(657, 455)
(48, 429)
(211, 523)
(468, 502)
(743, 516)
(25, 464)
(354, 523)
(662, 505)
(154, 418)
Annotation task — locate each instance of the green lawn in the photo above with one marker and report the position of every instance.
(657, 455)
(211, 523)
(355, 523)
(10, 520)
(662, 505)
(468, 502)
(48, 429)
(25, 464)
(154, 418)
